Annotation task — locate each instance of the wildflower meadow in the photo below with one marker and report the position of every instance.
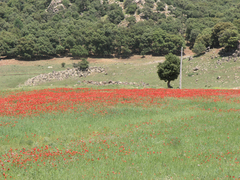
(81, 133)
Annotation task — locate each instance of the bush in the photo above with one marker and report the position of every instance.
(199, 48)
(190, 74)
(131, 20)
(127, 3)
(160, 6)
(65, 3)
(131, 9)
(63, 64)
(83, 65)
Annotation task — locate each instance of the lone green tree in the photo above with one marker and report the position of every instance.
(170, 69)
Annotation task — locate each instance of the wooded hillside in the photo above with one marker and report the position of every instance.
(30, 29)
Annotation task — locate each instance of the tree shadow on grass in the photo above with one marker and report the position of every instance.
(226, 52)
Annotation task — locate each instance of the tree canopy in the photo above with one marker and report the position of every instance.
(170, 69)
(33, 28)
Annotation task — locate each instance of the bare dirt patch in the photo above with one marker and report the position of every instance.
(37, 62)
(188, 52)
(69, 60)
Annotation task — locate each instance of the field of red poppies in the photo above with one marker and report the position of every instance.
(68, 133)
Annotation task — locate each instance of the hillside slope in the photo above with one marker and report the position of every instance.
(207, 71)
(105, 28)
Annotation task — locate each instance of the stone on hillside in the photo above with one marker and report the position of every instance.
(195, 69)
(114, 82)
(55, 6)
(207, 49)
(61, 75)
(229, 58)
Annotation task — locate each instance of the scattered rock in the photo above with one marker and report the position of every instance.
(207, 49)
(219, 77)
(229, 58)
(219, 62)
(61, 75)
(99, 83)
(195, 69)
(55, 6)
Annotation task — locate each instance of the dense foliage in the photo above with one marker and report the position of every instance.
(170, 69)
(30, 29)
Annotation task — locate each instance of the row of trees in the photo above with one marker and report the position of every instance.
(224, 34)
(91, 27)
(82, 38)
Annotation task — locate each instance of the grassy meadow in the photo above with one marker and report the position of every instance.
(70, 130)
(135, 69)
(68, 133)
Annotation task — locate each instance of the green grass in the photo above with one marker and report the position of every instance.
(132, 70)
(13, 75)
(182, 139)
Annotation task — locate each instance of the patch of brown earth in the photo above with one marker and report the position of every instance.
(188, 52)
(69, 60)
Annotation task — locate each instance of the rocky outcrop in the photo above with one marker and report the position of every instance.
(114, 83)
(55, 6)
(61, 75)
(236, 53)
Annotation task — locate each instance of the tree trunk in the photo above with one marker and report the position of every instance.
(168, 84)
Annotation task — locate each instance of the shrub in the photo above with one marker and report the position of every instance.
(83, 65)
(190, 74)
(199, 48)
(131, 9)
(63, 64)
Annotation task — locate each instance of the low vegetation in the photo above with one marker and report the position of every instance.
(118, 121)
(208, 71)
(70, 133)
